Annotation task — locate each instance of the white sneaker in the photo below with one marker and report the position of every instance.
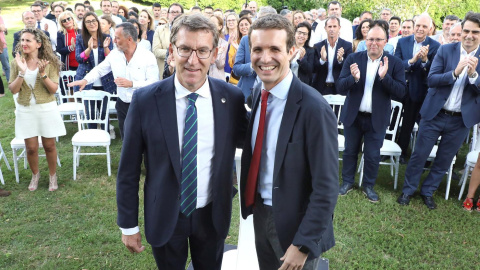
(112, 132)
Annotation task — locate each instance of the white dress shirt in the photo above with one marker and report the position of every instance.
(454, 101)
(273, 118)
(331, 56)
(372, 68)
(205, 140)
(142, 70)
(52, 30)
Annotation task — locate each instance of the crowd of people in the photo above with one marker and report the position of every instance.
(274, 60)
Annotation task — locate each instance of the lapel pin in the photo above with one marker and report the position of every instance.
(223, 100)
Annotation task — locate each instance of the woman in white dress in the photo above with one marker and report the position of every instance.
(35, 76)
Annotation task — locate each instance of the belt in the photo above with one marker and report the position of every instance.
(327, 84)
(450, 112)
(364, 114)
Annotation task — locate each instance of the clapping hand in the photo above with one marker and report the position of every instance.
(21, 63)
(72, 42)
(460, 66)
(472, 63)
(91, 43)
(355, 71)
(42, 64)
(340, 53)
(106, 42)
(382, 69)
(323, 54)
(424, 53)
(45, 27)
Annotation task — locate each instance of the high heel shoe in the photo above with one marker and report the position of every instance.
(53, 183)
(34, 182)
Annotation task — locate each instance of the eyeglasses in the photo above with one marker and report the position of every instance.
(202, 53)
(302, 33)
(376, 40)
(385, 14)
(66, 20)
(91, 22)
(231, 20)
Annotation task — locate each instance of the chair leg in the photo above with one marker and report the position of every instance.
(74, 163)
(1, 177)
(391, 165)
(464, 181)
(397, 165)
(108, 161)
(5, 158)
(449, 181)
(24, 155)
(15, 164)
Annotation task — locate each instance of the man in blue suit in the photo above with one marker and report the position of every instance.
(329, 56)
(289, 178)
(29, 21)
(369, 79)
(450, 109)
(188, 155)
(416, 52)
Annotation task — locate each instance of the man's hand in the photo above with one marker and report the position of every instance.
(81, 83)
(45, 27)
(460, 66)
(122, 82)
(355, 71)
(472, 63)
(293, 259)
(382, 69)
(323, 54)
(340, 53)
(133, 242)
(424, 53)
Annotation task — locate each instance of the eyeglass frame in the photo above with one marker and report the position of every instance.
(376, 40)
(91, 22)
(193, 50)
(66, 20)
(305, 34)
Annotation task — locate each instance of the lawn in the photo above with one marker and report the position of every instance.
(75, 227)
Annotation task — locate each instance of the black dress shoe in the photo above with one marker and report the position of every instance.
(345, 188)
(403, 160)
(372, 196)
(404, 199)
(428, 201)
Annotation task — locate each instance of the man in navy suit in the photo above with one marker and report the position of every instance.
(416, 52)
(289, 178)
(369, 79)
(450, 109)
(329, 56)
(28, 19)
(188, 156)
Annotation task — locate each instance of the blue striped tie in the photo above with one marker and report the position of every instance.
(188, 198)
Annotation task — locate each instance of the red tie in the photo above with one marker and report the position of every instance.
(251, 188)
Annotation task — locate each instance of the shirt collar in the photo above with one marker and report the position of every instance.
(181, 91)
(464, 52)
(376, 60)
(281, 89)
(420, 43)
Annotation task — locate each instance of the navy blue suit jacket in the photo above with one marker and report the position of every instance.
(63, 49)
(441, 82)
(151, 131)
(305, 174)
(416, 74)
(242, 68)
(16, 39)
(85, 66)
(305, 66)
(392, 85)
(150, 34)
(321, 73)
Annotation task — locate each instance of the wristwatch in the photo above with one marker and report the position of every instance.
(473, 75)
(44, 76)
(304, 249)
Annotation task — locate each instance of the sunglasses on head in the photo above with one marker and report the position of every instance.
(66, 20)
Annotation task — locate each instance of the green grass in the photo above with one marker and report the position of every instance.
(75, 227)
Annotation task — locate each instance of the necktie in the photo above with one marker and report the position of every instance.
(251, 188)
(188, 198)
(38, 25)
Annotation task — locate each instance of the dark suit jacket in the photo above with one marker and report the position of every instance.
(16, 39)
(85, 66)
(305, 176)
(305, 66)
(393, 84)
(441, 82)
(321, 71)
(151, 131)
(63, 49)
(150, 34)
(416, 74)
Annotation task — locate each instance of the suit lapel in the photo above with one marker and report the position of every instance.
(167, 112)
(363, 66)
(409, 48)
(219, 103)
(286, 127)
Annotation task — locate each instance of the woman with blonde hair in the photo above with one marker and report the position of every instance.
(298, 17)
(216, 69)
(147, 23)
(66, 38)
(35, 78)
(231, 32)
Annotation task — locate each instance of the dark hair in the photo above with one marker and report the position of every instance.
(473, 17)
(334, 3)
(218, 9)
(396, 18)
(101, 2)
(134, 9)
(125, 10)
(156, 5)
(126, 26)
(332, 18)
(90, 8)
(63, 8)
(86, 35)
(382, 24)
(239, 34)
(451, 18)
(365, 12)
(36, 5)
(358, 31)
(196, 8)
(245, 12)
(133, 13)
(86, 2)
(79, 5)
(208, 7)
(273, 21)
(409, 20)
(309, 27)
(193, 23)
(175, 5)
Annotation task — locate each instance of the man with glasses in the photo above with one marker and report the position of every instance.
(161, 38)
(369, 79)
(44, 24)
(133, 67)
(386, 14)
(187, 126)
(28, 19)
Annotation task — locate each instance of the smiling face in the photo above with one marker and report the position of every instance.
(68, 24)
(376, 40)
(407, 28)
(29, 19)
(364, 28)
(244, 26)
(91, 23)
(79, 12)
(29, 43)
(231, 22)
(57, 10)
(455, 34)
(269, 55)
(192, 71)
(394, 26)
(105, 26)
(143, 18)
(470, 36)
(301, 36)
(422, 27)
(298, 18)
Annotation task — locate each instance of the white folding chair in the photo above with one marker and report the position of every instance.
(389, 147)
(66, 102)
(19, 151)
(337, 101)
(471, 159)
(111, 106)
(91, 114)
(2, 155)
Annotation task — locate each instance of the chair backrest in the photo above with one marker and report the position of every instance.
(336, 102)
(94, 103)
(475, 140)
(66, 77)
(394, 119)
